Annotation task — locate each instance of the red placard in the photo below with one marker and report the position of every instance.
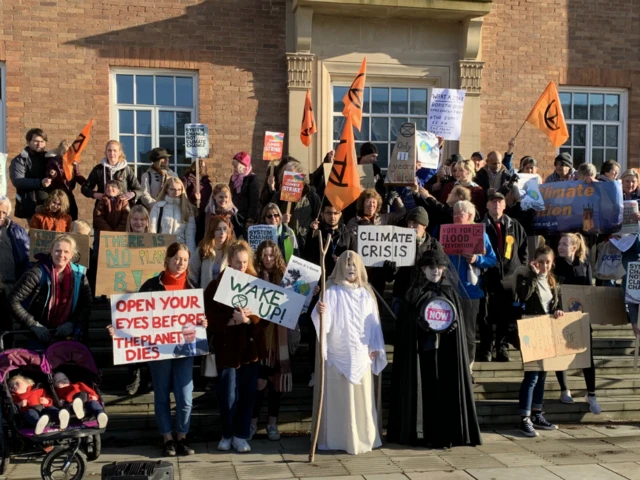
(458, 239)
(292, 186)
(273, 145)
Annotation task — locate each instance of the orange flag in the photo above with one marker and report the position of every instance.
(308, 127)
(354, 98)
(343, 187)
(547, 115)
(76, 148)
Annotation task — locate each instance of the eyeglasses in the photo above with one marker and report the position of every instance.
(273, 215)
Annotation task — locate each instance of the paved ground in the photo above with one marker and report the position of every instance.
(607, 452)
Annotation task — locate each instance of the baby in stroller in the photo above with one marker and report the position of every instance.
(35, 405)
(80, 398)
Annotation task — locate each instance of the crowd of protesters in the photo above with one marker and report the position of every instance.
(518, 274)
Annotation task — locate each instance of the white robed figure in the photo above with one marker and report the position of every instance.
(354, 351)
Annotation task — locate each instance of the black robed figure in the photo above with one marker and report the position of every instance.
(432, 395)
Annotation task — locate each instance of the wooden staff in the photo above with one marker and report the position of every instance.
(314, 438)
(198, 182)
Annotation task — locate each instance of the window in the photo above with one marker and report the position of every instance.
(151, 109)
(3, 111)
(596, 120)
(384, 110)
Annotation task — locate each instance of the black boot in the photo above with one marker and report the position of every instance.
(133, 387)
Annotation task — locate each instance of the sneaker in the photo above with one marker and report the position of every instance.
(312, 380)
(526, 427)
(565, 397)
(78, 408)
(502, 355)
(224, 444)
(169, 449)
(272, 433)
(241, 445)
(41, 425)
(485, 357)
(594, 406)
(133, 387)
(540, 423)
(102, 420)
(184, 448)
(63, 419)
(252, 431)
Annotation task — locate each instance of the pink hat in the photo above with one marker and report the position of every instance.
(243, 157)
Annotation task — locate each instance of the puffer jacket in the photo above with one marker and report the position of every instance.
(27, 170)
(52, 222)
(29, 299)
(151, 184)
(111, 215)
(100, 175)
(20, 244)
(171, 222)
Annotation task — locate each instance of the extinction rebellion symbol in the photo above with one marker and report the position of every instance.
(549, 119)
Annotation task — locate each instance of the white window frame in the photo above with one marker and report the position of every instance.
(3, 108)
(622, 123)
(155, 109)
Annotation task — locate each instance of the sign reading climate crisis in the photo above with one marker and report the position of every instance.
(458, 239)
(158, 325)
(379, 243)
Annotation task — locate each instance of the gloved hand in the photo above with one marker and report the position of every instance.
(41, 332)
(64, 330)
(392, 194)
(390, 268)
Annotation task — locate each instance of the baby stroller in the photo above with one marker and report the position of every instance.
(65, 451)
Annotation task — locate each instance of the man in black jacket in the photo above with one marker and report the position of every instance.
(493, 175)
(509, 241)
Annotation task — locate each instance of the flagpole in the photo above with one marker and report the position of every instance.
(521, 127)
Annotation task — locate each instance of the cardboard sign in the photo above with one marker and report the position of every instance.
(257, 234)
(41, 241)
(273, 146)
(270, 302)
(196, 140)
(529, 188)
(457, 239)
(547, 337)
(445, 113)
(127, 260)
(605, 305)
(402, 164)
(632, 288)
(566, 362)
(302, 277)
(629, 224)
(367, 176)
(292, 186)
(3, 174)
(154, 326)
(379, 243)
(428, 151)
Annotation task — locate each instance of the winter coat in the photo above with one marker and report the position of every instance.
(341, 241)
(248, 200)
(59, 181)
(206, 189)
(483, 262)
(151, 184)
(29, 299)
(554, 177)
(201, 269)
(101, 174)
(288, 242)
(576, 273)
(485, 179)
(171, 222)
(27, 170)
(66, 394)
(526, 293)
(478, 197)
(391, 218)
(20, 244)
(404, 276)
(111, 214)
(32, 396)
(52, 222)
(519, 250)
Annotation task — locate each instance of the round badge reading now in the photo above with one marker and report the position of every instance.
(439, 314)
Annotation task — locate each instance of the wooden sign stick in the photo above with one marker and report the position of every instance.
(314, 438)
(288, 212)
(198, 182)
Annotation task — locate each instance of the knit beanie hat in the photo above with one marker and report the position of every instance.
(243, 157)
(367, 149)
(420, 215)
(565, 159)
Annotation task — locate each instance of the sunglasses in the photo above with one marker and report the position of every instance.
(273, 215)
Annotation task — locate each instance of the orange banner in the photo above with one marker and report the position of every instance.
(73, 154)
(343, 187)
(308, 127)
(547, 115)
(354, 98)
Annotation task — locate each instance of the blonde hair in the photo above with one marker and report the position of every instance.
(238, 247)
(458, 193)
(186, 209)
(61, 197)
(629, 173)
(339, 274)
(70, 240)
(217, 188)
(122, 156)
(577, 240)
(27, 380)
(468, 165)
(138, 210)
(465, 206)
(587, 170)
(76, 225)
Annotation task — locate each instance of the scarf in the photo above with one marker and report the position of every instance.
(112, 169)
(277, 340)
(172, 282)
(61, 297)
(238, 178)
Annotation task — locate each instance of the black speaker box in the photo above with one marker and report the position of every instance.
(138, 471)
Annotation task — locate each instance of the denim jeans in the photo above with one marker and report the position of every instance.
(172, 375)
(532, 392)
(32, 415)
(236, 392)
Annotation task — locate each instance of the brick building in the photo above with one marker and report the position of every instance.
(243, 66)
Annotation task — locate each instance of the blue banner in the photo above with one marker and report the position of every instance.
(577, 206)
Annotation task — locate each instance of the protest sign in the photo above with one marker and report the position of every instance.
(292, 186)
(566, 362)
(273, 145)
(445, 113)
(3, 174)
(402, 164)
(127, 260)
(40, 241)
(547, 337)
(153, 326)
(270, 302)
(367, 176)
(605, 305)
(302, 277)
(632, 288)
(428, 151)
(568, 206)
(196, 140)
(458, 239)
(379, 243)
(629, 223)
(257, 234)
(529, 189)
